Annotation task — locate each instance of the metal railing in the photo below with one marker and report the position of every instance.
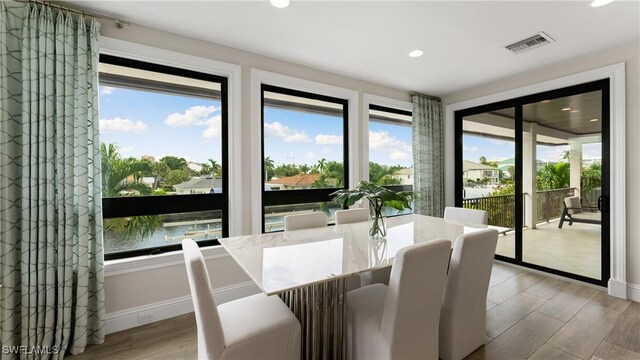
(501, 209)
(549, 203)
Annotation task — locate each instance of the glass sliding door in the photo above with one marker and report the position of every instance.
(565, 183)
(539, 165)
(488, 171)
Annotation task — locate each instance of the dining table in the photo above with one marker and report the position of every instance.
(308, 269)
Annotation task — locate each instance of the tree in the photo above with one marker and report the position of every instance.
(174, 163)
(285, 170)
(554, 176)
(304, 168)
(269, 167)
(382, 175)
(161, 169)
(332, 175)
(321, 164)
(176, 177)
(216, 169)
(115, 174)
(117, 171)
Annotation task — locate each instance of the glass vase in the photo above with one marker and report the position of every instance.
(377, 226)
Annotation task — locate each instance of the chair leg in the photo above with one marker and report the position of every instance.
(564, 213)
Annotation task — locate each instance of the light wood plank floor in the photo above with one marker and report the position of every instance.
(574, 249)
(529, 316)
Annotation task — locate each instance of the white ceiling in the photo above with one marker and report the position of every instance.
(463, 41)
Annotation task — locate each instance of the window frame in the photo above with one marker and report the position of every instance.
(392, 110)
(302, 196)
(116, 207)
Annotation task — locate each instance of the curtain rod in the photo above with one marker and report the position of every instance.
(117, 22)
(425, 95)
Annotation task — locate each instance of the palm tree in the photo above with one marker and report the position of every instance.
(554, 176)
(382, 175)
(116, 172)
(216, 169)
(321, 164)
(269, 166)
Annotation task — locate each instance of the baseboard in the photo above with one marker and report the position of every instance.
(130, 318)
(633, 292)
(617, 288)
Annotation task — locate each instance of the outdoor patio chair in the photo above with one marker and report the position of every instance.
(575, 212)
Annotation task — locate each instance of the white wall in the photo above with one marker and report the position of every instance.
(630, 54)
(135, 289)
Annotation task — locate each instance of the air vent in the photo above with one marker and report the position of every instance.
(529, 43)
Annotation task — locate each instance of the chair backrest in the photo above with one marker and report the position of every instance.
(466, 215)
(463, 317)
(412, 307)
(351, 216)
(210, 333)
(304, 221)
(573, 204)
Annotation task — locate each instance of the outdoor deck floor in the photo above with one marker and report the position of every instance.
(574, 249)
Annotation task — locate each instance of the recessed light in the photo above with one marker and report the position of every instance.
(280, 4)
(416, 53)
(594, 120)
(545, 101)
(574, 111)
(598, 3)
(567, 109)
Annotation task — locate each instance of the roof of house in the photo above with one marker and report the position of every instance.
(405, 171)
(296, 180)
(470, 165)
(199, 183)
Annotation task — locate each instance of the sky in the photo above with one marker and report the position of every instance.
(495, 150)
(304, 138)
(147, 123)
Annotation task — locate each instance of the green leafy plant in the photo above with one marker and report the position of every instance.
(379, 198)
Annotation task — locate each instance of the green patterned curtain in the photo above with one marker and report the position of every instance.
(428, 155)
(51, 257)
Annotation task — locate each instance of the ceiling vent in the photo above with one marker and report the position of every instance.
(529, 43)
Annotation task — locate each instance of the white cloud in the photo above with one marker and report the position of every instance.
(311, 155)
(122, 125)
(214, 128)
(276, 129)
(106, 90)
(470, 148)
(323, 139)
(326, 150)
(195, 115)
(395, 148)
(198, 116)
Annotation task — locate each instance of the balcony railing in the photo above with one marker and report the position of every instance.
(550, 203)
(501, 209)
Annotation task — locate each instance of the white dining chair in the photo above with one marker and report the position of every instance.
(463, 215)
(463, 318)
(351, 215)
(254, 327)
(400, 321)
(304, 221)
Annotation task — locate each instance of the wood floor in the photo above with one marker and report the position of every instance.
(529, 316)
(574, 249)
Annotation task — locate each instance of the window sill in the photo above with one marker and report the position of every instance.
(150, 262)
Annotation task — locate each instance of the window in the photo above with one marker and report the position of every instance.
(304, 151)
(390, 150)
(163, 135)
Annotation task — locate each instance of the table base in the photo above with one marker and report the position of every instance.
(322, 312)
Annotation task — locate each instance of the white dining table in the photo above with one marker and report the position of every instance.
(307, 269)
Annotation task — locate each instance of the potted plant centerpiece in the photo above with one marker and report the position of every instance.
(379, 198)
